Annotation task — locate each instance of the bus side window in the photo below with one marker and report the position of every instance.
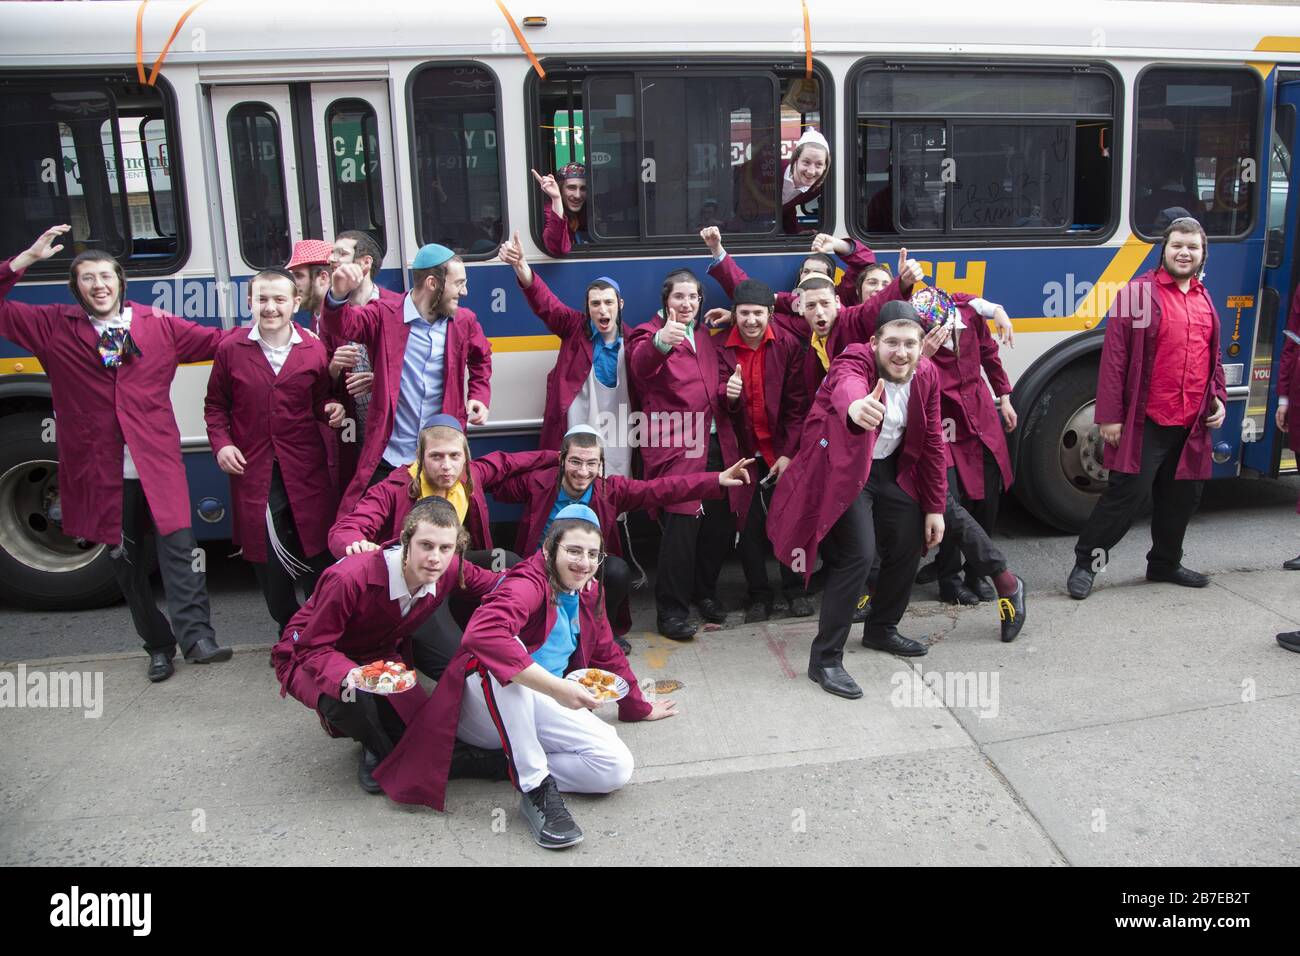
(69, 151)
(932, 161)
(261, 202)
(356, 185)
(1196, 147)
(457, 171)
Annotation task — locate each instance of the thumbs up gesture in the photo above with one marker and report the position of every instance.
(734, 386)
(673, 332)
(868, 412)
(909, 272)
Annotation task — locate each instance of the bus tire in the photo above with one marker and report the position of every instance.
(1059, 475)
(41, 568)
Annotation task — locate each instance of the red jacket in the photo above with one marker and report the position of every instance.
(1127, 358)
(965, 401)
(1288, 378)
(271, 417)
(350, 620)
(520, 607)
(679, 398)
(378, 516)
(558, 231)
(572, 366)
(786, 403)
(379, 327)
(834, 459)
(96, 407)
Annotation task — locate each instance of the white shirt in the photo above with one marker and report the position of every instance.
(397, 589)
(121, 321)
(275, 354)
(895, 422)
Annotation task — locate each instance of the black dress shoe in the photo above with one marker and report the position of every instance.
(1292, 565)
(862, 610)
(207, 651)
(711, 610)
(623, 644)
(160, 665)
(1184, 577)
(365, 772)
(757, 613)
(928, 574)
(835, 680)
(475, 763)
(895, 643)
(1079, 583)
(953, 591)
(802, 606)
(1290, 640)
(676, 629)
(780, 606)
(1012, 611)
(982, 587)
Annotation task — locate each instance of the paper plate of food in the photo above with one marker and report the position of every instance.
(603, 685)
(383, 677)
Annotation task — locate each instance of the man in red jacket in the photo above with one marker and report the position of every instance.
(1288, 393)
(1156, 416)
(423, 347)
(565, 213)
(268, 392)
(111, 363)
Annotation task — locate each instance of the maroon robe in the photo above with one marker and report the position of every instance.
(1288, 378)
(834, 459)
(96, 408)
(965, 401)
(379, 327)
(784, 399)
(1128, 356)
(350, 620)
(558, 232)
(378, 516)
(520, 607)
(572, 366)
(678, 386)
(271, 417)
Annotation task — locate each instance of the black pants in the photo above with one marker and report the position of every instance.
(754, 548)
(368, 718)
(1175, 503)
(382, 471)
(691, 551)
(983, 510)
(618, 581)
(883, 519)
(277, 583)
(183, 578)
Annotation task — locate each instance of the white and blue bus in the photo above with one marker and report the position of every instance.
(1023, 153)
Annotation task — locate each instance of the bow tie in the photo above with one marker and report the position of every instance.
(116, 346)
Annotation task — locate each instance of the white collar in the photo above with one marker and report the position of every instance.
(410, 313)
(120, 321)
(255, 335)
(397, 581)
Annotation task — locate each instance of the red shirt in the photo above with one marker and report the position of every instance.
(753, 395)
(1181, 371)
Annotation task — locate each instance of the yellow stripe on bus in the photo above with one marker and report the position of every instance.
(1278, 45)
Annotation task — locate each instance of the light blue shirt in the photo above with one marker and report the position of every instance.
(562, 501)
(560, 644)
(419, 396)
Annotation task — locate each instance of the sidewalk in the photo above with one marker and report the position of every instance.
(1170, 735)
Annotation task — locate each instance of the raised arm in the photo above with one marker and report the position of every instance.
(23, 324)
(347, 322)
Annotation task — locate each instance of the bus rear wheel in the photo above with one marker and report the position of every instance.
(1060, 473)
(42, 568)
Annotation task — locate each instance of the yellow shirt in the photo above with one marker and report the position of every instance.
(819, 346)
(458, 497)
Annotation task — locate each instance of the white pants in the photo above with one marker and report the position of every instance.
(577, 748)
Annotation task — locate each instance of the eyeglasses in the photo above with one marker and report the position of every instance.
(578, 463)
(574, 553)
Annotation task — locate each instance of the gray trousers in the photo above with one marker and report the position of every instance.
(185, 588)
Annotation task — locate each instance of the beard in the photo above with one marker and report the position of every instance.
(887, 371)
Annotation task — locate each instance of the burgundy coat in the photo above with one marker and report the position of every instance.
(521, 606)
(557, 234)
(784, 398)
(1127, 358)
(1288, 378)
(966, 402)
(350, 620)
(95, 407)
(678, 386)
(378, 516)
(572, 366)
(271, 417)
(379, 327)
(834, 459)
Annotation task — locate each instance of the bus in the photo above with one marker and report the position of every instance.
(1022, 154)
